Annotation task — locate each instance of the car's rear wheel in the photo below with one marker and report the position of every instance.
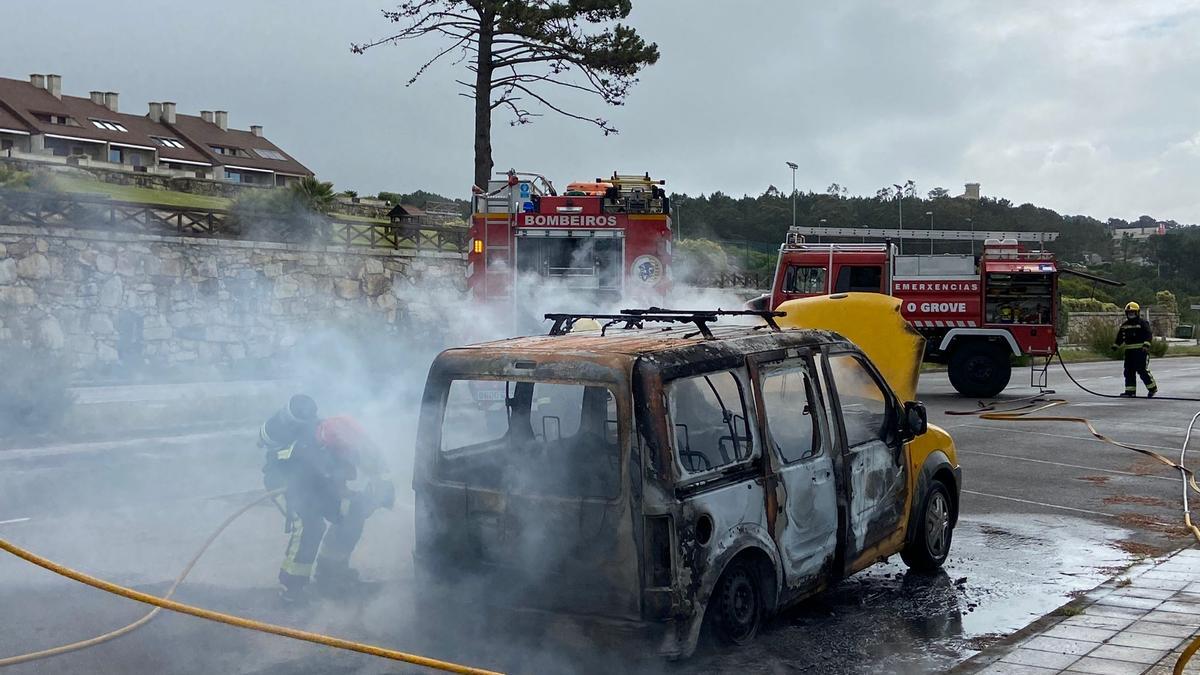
(929, 545)
(737, 608)
(980, 369)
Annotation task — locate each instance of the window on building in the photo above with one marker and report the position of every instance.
(708, 414)
(115, 155)
(167, 142)
(270, 154)
(6, 144)
(52, 118)
(110, 126)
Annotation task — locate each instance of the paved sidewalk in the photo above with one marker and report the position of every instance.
(1135, 624)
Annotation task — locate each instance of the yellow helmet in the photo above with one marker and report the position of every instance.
(1133, 307)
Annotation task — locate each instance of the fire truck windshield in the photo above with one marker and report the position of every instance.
(807, 280)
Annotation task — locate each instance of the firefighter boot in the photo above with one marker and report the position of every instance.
(1129, 394)
(295, 589)
(336, 579)
(1151, 392)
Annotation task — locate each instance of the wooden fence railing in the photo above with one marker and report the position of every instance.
(93, 212)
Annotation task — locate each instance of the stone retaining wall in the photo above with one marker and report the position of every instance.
(1078, 323)
(110, 302)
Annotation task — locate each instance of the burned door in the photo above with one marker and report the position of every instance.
(720, 483)
(802, 511)
(586, 263)
(874, 456)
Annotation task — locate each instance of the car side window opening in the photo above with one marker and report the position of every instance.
(708, 415)
(791, 408)
(804, 280)
(866, 410)
(859, 279)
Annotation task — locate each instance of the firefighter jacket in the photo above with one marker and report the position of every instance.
(1135, 333)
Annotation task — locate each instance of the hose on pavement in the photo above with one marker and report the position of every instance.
(166, 602)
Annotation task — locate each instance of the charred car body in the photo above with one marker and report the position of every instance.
(664, 473)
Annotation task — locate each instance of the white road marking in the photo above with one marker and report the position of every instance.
(1066, 436)
(1072, 466)
(1049, 506)
(13, 520)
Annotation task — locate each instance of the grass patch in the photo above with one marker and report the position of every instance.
(1069, 610)
(140, 195)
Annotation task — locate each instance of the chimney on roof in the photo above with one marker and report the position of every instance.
(256, 129)
(54, 85)
(971, 191)
(206, 115)
(222, 119)
(168, 112)
(97, 97)
(38, 81)
(155, 112)
(110, 100)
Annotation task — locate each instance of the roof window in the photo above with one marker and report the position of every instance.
(110, 126)
(167, 142)
(270, 154)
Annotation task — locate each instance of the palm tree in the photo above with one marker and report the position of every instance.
(318, 196)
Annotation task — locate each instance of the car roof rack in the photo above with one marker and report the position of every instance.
(637, 318)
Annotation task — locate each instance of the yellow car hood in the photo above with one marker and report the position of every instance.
(873, 322)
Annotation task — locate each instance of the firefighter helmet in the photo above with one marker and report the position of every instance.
(1133, 307)
(342, 434)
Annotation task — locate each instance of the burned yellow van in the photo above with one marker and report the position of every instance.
(666, 473)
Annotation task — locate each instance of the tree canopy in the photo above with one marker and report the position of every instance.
(517, 50)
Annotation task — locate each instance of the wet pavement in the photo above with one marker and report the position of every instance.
(1047, 513)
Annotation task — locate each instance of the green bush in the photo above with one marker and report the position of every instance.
(1099, 336)
(1158, 347)
(34, 397)
(1088, 305)
(1165, 301)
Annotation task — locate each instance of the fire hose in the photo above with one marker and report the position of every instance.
(165, 602)
(1027, 411)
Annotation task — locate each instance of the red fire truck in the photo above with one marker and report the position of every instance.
(975, 314)
(606, 241)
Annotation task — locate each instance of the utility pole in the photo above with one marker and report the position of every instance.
(793, 166)
(971, 224)
(900, 205)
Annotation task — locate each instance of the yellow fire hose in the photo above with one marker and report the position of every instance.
(1025, 412)
(165, 602)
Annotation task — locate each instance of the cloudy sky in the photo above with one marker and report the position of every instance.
(1082, 106)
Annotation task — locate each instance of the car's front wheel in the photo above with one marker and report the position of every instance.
(929, 545)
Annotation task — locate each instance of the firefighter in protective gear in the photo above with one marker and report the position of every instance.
(325, 517)
(1134, 338)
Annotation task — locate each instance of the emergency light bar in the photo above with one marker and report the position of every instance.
(954, 235)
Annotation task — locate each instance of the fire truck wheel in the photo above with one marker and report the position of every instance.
(980, 369)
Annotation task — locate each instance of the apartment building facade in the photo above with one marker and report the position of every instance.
(38, 122)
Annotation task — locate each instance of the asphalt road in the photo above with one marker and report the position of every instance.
(1047, 511)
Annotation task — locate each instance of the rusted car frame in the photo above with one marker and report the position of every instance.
(657, 551)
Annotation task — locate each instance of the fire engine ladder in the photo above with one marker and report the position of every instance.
(500, 201)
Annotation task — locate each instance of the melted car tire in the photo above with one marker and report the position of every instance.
(737, 605)
(926, 550)
(980, 369)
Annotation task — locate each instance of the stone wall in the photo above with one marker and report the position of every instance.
(112, 303)
(1162, 323)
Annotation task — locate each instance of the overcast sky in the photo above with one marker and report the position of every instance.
(1084, 107)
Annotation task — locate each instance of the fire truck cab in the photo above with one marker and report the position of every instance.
(975, 313)
(604, 241)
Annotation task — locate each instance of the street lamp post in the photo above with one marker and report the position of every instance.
(971, 224)
(793, 166)
(930, 214)
(900, 206)
(822, 225)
